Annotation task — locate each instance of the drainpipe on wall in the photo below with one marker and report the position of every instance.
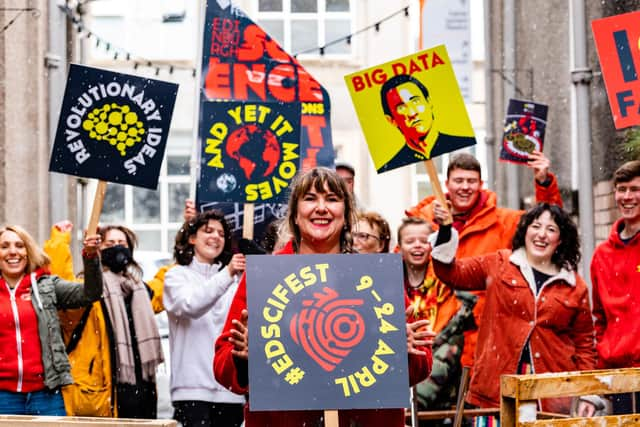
(489, 138)
(509, 69)
(55, 62)
(581, 78)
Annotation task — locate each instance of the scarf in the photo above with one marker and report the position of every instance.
(459, 220)
(116, 288)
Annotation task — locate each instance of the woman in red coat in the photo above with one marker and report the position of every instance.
(321, 214)
(537, 317)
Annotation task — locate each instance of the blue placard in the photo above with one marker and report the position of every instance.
(326, 332)
(113, 126)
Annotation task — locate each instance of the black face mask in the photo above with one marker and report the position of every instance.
(116, 258)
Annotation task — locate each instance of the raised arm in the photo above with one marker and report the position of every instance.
(74, 295)
(183, 297)
(545, 182)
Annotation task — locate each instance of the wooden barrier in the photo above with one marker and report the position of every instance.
(27, 420)
(520, 393)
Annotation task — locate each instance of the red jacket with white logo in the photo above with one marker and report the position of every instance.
(226, 374)
(615, 275)
(21, 368)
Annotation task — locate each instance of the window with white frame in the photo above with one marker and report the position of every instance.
(154, 215)
(303, 25)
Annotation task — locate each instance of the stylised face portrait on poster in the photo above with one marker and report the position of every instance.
(113, 126)
(616, 39)
(249, 152)
(410, 109)
(326, 332)
(240, 61)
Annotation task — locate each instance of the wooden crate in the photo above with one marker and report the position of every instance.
(519, 395)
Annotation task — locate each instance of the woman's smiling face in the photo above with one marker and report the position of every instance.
(13, 255)
(320, 219)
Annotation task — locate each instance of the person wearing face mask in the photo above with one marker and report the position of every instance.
(33, 363)
(197, 295)
(133, 332)
(113, 345)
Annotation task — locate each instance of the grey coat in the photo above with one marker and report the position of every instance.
(50, 293)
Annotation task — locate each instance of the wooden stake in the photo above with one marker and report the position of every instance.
(98, 201)
(435, 184)
(247, 221)
(330, 418)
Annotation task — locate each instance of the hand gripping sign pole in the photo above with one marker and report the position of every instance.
(437, 189)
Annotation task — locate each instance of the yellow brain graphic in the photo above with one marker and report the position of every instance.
(115, 124)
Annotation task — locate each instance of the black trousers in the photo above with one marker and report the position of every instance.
(137, 401)
(196, 413)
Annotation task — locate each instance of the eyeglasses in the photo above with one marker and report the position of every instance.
(364, 236)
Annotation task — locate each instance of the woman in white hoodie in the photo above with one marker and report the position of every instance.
(197, 295)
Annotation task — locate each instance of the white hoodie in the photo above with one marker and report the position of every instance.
(197, 299)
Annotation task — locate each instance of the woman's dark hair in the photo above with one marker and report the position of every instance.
(183, 251)
(132, 242)
(317, 178)
(567, 254)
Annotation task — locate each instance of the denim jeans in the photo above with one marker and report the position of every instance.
(45, 402)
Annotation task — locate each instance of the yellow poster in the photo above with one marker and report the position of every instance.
(410, 109)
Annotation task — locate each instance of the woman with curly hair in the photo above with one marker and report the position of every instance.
(197, 295)
(537, 317)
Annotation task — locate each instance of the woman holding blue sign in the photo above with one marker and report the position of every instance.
(320, 216)
(197, 295)
(33, 362)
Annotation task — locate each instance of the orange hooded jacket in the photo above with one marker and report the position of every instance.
(487, 230)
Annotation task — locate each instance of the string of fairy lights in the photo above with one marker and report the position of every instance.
(120, 54)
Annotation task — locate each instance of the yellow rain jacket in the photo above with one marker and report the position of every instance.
(90, 352)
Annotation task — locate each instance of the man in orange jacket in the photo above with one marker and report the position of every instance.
(483, 227)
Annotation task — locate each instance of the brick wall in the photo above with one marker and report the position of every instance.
(605, 212)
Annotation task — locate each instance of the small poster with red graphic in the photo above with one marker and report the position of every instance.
(524, 128)
(250, 151)
(327, 332)
(616, 38)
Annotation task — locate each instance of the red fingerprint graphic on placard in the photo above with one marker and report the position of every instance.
(328, 328)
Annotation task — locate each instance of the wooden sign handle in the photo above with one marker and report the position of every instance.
(98, 201)
(435, 184)
(331, 418)
(247, 221)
